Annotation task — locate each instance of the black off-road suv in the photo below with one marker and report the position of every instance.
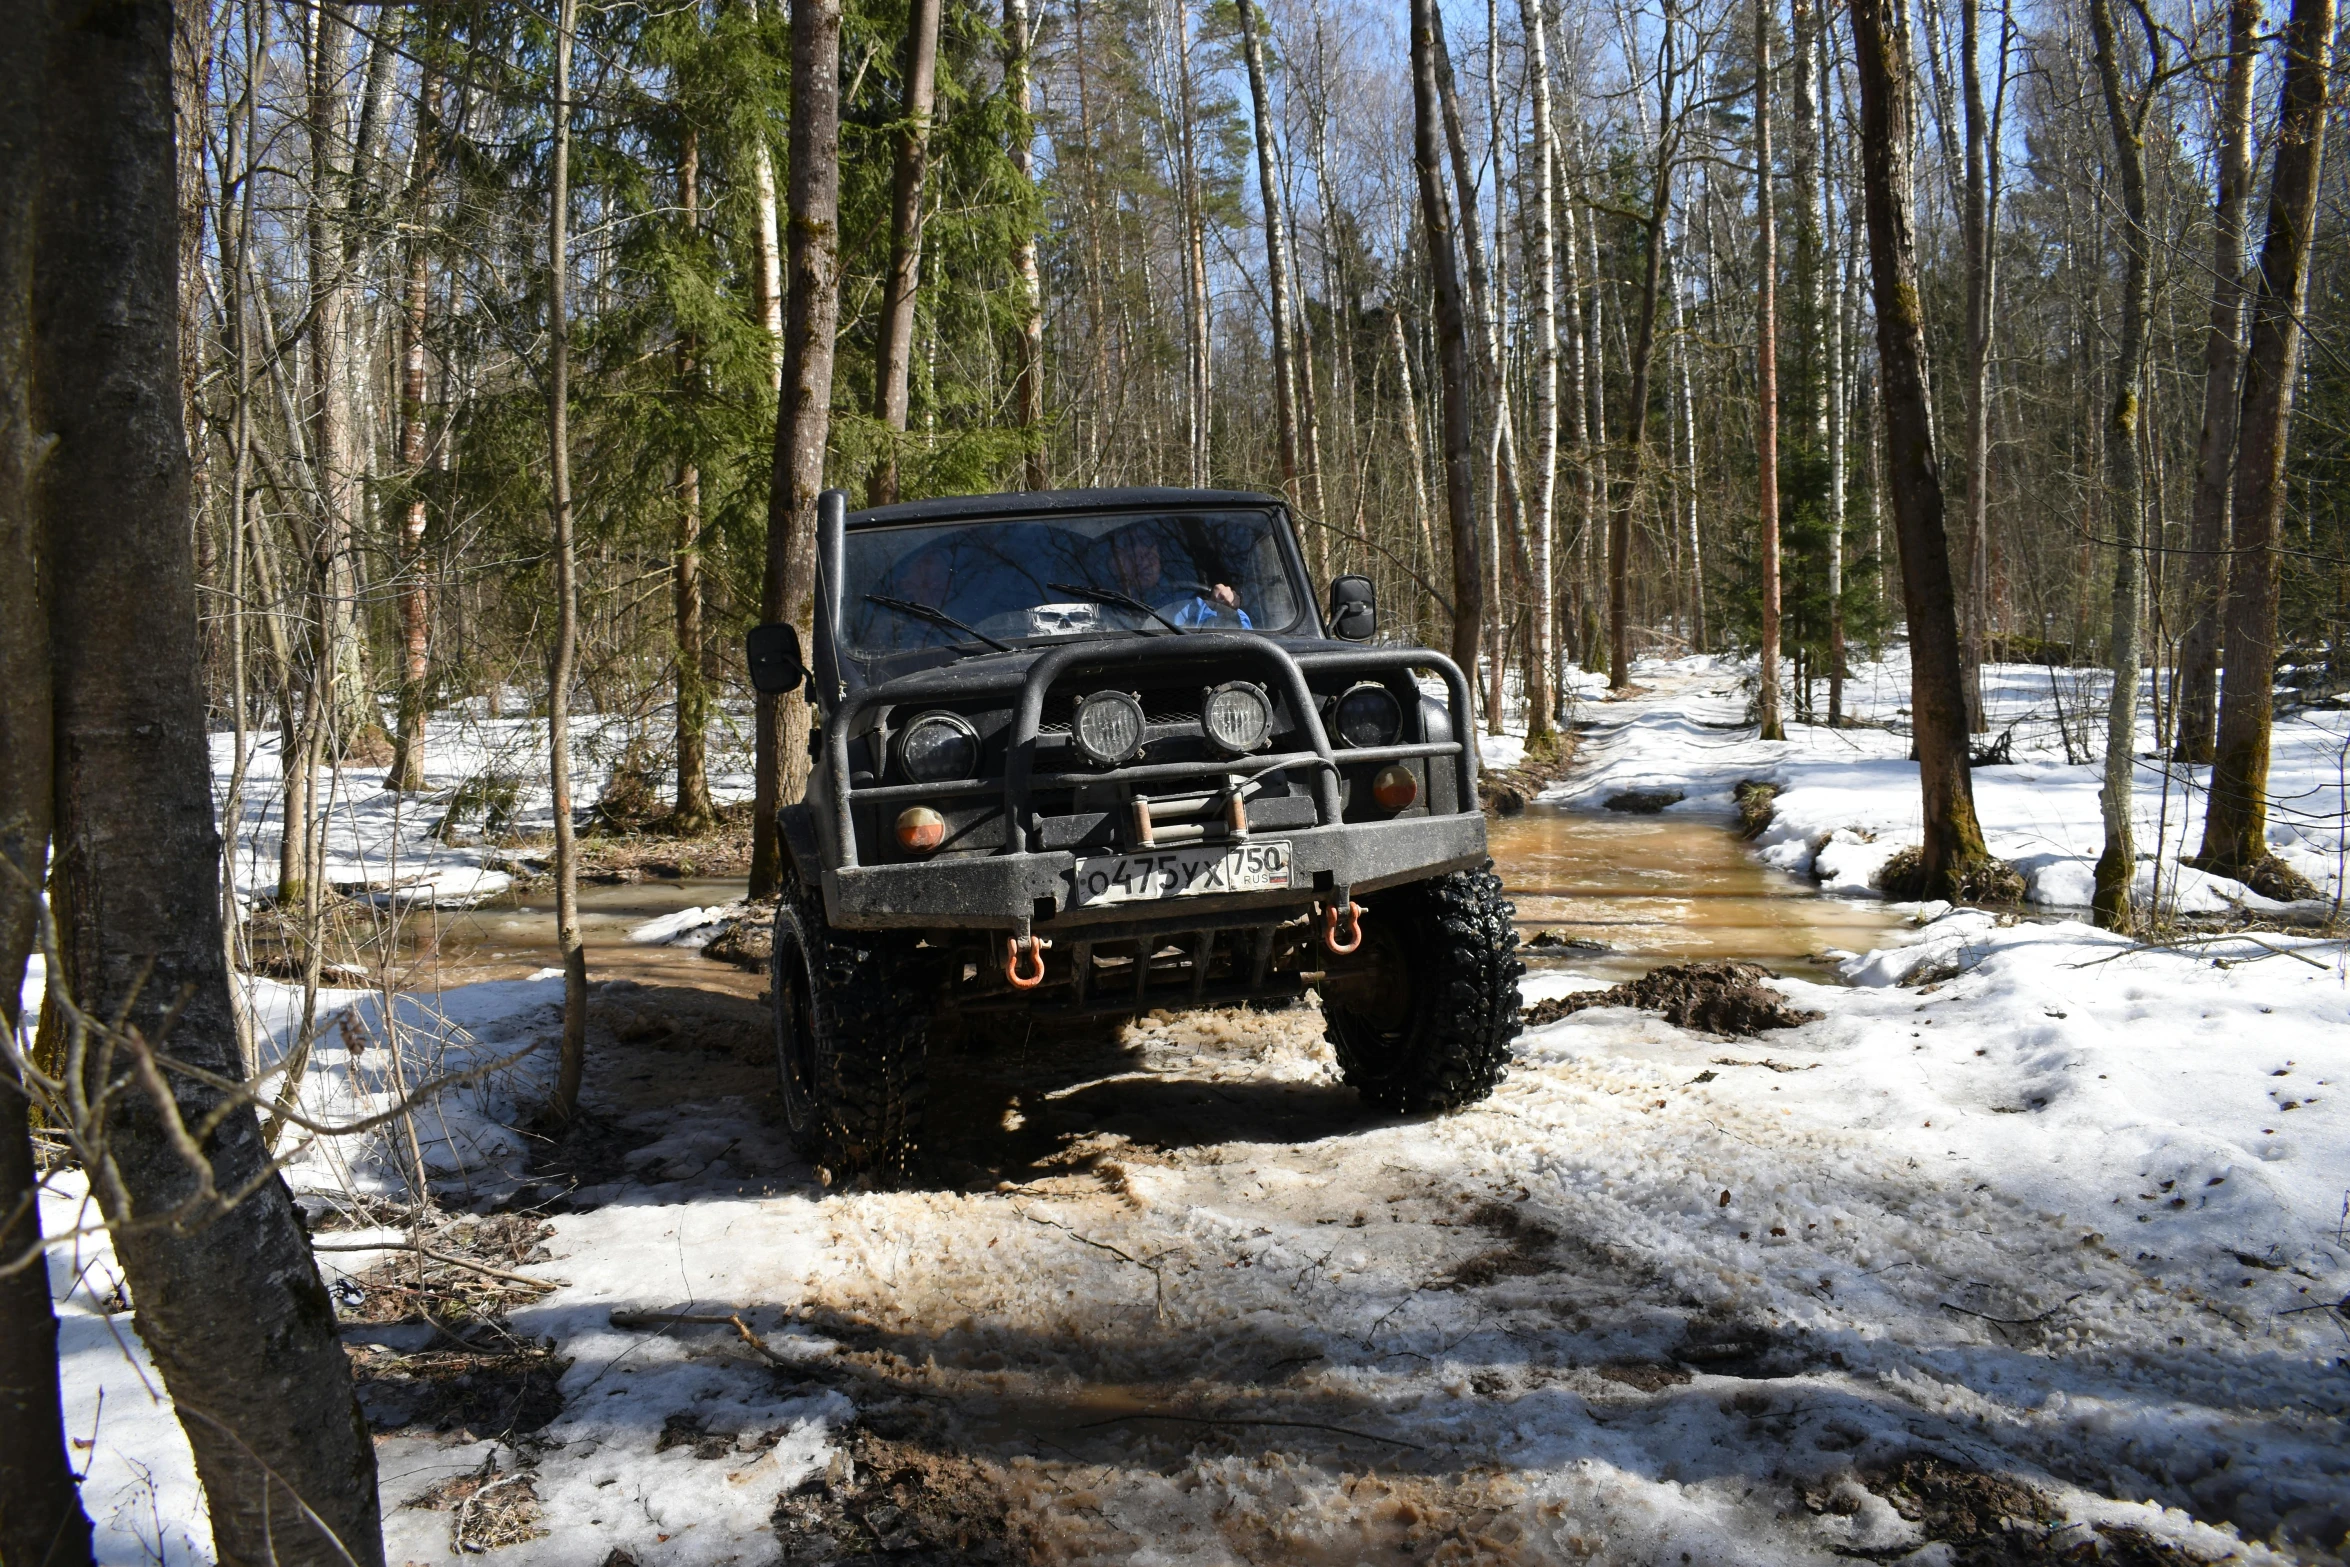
(1086, 753)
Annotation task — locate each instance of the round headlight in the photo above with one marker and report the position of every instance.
(938, 748)
(1236, 716)
(1108, 726)
(1368, 715)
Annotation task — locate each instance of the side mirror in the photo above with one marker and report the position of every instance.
(1354, 608)
(774, 652)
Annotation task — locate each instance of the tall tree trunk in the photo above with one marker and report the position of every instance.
(1833, 261)
(2235, 823)
(2117, 865)
(693, 815)
(766, 243)
(407, 770)
(2223, 359)
(1543, 666)
(1766, 373)
(1028, 384)
(232, 1311)
(1619, 528)
(1452, 342)
(1197, 342)
(566, 650)
(342, 700)
(1975, 241)
(1276, 251)
(893, 349)
(803, 418)
(1953, 851)
(41, 1520)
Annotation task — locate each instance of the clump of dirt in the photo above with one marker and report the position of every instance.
(916, 1505)
(1643, 1376)
(1984, 1518)
(1712, 997)
(1525, 1252)
(1757, 801)
(747, 943)
(1560, 941)
(1987, 882)
(1506, 791)
(1644, 802)
(478, 1387)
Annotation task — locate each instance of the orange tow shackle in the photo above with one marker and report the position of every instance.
(1035, 946)
(1354, 926)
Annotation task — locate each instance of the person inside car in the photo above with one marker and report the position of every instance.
(1135, 560)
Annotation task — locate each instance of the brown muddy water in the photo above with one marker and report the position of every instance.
(1661, 889)
(1626, 892)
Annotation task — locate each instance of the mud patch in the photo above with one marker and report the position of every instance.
(1713, 997)
(748, 942)
(488, 1509)
(1525, 1251)
(1757, 803)
(882, 1499)
(1644, 802)
(469, 1389)
(1644, 1376)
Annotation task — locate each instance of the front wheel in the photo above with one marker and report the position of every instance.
(1431, 1020)
(852, 1027)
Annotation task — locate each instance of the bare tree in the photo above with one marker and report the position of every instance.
(2117, 865)
(1952, 856)
(893, 353)
(1452, 346)
(407, 770)
(2223, 359)
(803, 415)
(693, 813)
(1276, 251)
(1766, 374)
(2235, 823)
(234, 1314)
(1028, 380)
(566, 650)
(1542, 667)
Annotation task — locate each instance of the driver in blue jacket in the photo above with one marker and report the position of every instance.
(1134, 556)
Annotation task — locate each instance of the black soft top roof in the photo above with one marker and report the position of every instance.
(1030, 503)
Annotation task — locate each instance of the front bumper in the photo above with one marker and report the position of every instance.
(1005, 891)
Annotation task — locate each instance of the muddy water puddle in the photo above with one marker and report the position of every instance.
(1659, 889)
(1629, 892)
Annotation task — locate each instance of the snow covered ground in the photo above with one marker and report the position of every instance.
(2027, 1199)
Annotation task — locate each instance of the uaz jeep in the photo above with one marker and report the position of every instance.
(1086, 753)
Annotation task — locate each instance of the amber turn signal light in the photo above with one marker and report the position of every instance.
(921, 829)
(1394, 788)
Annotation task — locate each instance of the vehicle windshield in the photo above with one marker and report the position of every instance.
(1197, 569)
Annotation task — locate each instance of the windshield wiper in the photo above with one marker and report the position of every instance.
(936, 617)
(1116, 600)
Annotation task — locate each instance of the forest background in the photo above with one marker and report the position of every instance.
(1140, 252)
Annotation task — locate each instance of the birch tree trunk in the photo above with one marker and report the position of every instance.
(573, 1067)
(1276, 251)
(407, 770)
(803, 416)
(1952, 856)
(693, 814)
(1198, 344)
(1766, 373)
(2223, 359)
(1452, 345)
(1543, 665)
(1028, 379)
(1619, 528)
(766, 243)
(1975, 241)
(2117, 865)
(2235, 823)
(893, 348)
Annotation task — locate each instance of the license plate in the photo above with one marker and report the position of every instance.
(1181, 873)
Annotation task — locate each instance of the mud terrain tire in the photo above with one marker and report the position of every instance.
(852, 1021)
(1453, 942)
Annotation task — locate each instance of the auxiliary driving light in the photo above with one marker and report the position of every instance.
(921, 829)
(1236, 716)
(1108, 726)
(1395, 787)
(938, 748)
(1368, 715)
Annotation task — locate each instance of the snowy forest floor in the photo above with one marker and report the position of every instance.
(2026, 1249)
